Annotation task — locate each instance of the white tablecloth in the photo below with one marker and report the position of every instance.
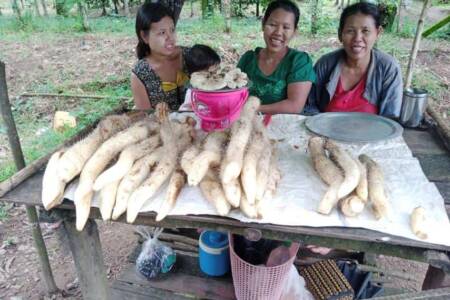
(300, 189)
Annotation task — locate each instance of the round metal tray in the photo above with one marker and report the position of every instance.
(353, 126)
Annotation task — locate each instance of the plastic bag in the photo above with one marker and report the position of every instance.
(295, 287)
(155, 257)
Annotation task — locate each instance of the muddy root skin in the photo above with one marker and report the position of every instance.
(240, 133)
(52, 185)
(251, 159)
(210, 156)
(362, 190)
(347, 164)
(375, 181)
(126, 159)
(212, 190)
(163, 169)
(328, 171)
(97, 163)
(72, 162)
(418, 222)
(134, 178)
(176, 183)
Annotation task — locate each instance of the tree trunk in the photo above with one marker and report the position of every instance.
(204, 8)
(415, 48)
(336, 3)
(227, 8)
(104, 13)
(126, 7)
(16, 9)
(44, 7)
(176, 6)
(399, 16)
(257, 8)
(83, 14)
(342, 4)
(192, 8)
(116, 9)
(314, 16)
(22, 4)
(36, 7)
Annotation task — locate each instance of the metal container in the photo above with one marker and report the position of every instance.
(413, 107)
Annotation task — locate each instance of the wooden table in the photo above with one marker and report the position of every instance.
(87, 254)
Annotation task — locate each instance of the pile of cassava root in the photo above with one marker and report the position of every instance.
(352, 182)
(126, 161)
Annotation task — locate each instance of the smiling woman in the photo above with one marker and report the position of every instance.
(160, 73)
(281, 77)
(358, 77)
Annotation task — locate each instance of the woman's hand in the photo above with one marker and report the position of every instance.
(140, 97)
(297, 93)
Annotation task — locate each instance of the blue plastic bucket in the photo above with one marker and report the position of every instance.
(214, 255)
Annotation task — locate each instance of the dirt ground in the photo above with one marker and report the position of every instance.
(74, 61)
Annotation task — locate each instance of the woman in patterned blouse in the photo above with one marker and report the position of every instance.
(160, 73)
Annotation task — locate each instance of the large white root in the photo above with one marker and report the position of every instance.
(188, 157)
(348, 165)
(140, 170)
(362, 190)
(233, 192)
(263, 170)
(240, 133)
(73, 161)
(176, 183)
(213, 192)
(126, 159)
(96, 164)
(380, 203)
(329, 173)
(418, 223)
(272, 184)
(247, 208)
(209, 157)
(108, 199)
(52, 185)
(162, 171)
(251, 158)
(351, 206)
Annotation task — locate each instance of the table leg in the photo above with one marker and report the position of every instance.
(88, 258)
(435, 278)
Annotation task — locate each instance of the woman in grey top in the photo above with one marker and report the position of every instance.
(357, 77)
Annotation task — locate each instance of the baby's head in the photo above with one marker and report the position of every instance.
(200, 58)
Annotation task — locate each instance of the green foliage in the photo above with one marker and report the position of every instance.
(3, 211)
(11, 28)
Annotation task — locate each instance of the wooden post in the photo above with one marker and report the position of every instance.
(415, 47)
(88, 257)
(13, 137)
(227, 9)
(399, 15)
(44, 7)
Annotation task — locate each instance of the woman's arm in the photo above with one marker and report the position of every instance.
(297, 93)
(140, 97)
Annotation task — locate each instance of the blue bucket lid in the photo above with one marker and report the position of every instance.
(214, 239)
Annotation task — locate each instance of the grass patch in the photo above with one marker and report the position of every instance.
(38, 138)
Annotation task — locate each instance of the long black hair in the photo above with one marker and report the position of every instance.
(364, 8)
(286, 5)
(147, 14)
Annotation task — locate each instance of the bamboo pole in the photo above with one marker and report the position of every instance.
(415, 47)
(69, 96)
(5, 111)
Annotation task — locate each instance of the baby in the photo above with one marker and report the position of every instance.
(199, 58)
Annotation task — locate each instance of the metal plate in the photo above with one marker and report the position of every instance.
(353, 126)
